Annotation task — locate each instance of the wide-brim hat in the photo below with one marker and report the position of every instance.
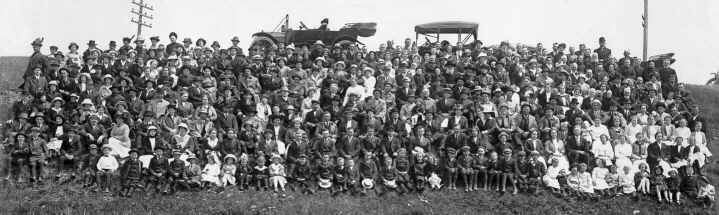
(367, 183)
(86, 102)
(108, 76)
(324, 183)
(58, 99)
(182, 125)
(390, 183)
(229, 156)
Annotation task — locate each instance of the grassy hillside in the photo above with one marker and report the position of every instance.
(74, 200)
(11, 71)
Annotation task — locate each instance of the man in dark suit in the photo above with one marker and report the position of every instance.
(122, 64)
(148, 144)
(694, 117)
(313, 117)
(445, 104)
(578, 148)
(349, 145)
(456, 139)
(227, 120)
(391, 144)
(347, 123)
(458, 119)
(485, 123)
(394, 123)
(279, 132)
(603, 52)
(655, 151)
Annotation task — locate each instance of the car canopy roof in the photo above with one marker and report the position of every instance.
(447, 27)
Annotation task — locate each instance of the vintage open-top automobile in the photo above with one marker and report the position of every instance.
(345, 35)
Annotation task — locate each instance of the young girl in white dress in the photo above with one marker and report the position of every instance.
(277, 174)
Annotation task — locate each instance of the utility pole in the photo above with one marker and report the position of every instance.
(645, 24)
(142, 16)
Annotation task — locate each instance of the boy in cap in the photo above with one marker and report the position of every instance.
(450, 167)
(157, 170)
(388, 174)
(508, 167)
(88, 166)
(176, 174)
(301, 175)
(38, 155)
(131, 174)
(367, 173)
(106, 166)
(465, 169)
(243, 174)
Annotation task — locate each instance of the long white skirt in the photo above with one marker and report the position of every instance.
(119, 148)
(563, 161)
(621, 162)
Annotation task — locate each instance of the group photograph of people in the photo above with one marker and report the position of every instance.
(171, 115)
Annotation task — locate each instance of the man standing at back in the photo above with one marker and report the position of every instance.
(37, 59)
(603, 52)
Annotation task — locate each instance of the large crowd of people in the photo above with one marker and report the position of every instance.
(406, 118)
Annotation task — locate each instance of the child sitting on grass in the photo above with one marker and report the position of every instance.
(89, 166)
(613, 181)
(244, 173)
(479, 165)
(673, 184)
(301, 174)
(194, 172)
(131, 174)
(642, 176)
(260, 173)
(551, 178)
(706, 193)
(277, 174)
(495, 173)
(340, 173)
(106, 166)
(626, 179)
(660, 186)
(176, 175)
(229, 168)
(211, 172)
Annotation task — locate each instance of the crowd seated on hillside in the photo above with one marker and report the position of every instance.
(341, 119)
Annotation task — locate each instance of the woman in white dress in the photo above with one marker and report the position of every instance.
(622, 153)
(651, 129)
(119, 141)
(553, 172)
(555, 149)
(599, 173)
(699, 139)
(631, 130)
(683, 131)
(602, 149)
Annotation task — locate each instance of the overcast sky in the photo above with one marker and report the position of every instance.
(688, 28)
